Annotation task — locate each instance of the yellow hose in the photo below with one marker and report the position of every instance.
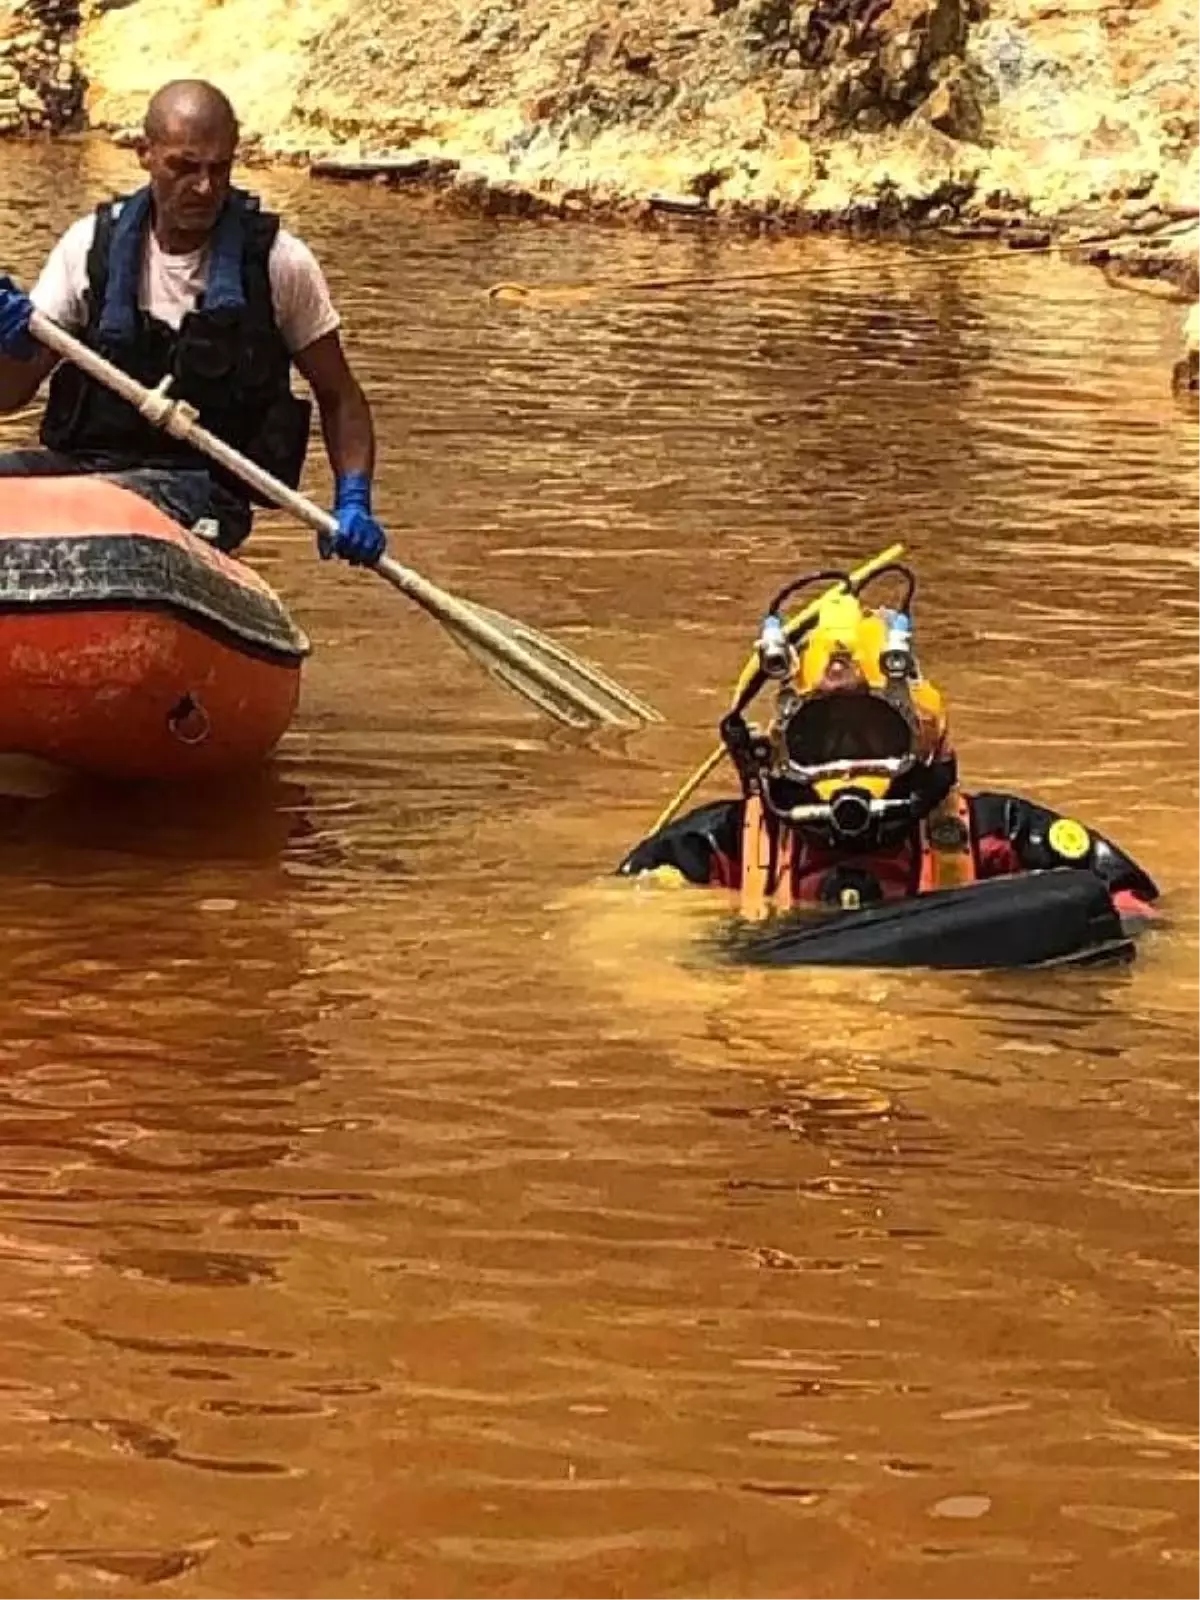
(683, 795)
(792, 626)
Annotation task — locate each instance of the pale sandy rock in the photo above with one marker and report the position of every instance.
(1178, 188)
(258, 51)
(1045, 107)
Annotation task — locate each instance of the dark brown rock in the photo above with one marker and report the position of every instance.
(953, 107)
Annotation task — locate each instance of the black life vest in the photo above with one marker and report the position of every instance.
(227, 358)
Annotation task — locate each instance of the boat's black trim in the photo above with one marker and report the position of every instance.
(71, 572)
(1028, 920)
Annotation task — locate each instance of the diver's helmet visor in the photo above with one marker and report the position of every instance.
(847, 750)
(843, 732)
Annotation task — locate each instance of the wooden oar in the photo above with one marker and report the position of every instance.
(549, 676)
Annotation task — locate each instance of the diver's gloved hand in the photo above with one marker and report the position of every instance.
(16, 308)
(359, 538)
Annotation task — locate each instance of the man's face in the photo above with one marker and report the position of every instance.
(189, 176)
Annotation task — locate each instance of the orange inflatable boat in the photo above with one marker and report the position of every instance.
(130, 648)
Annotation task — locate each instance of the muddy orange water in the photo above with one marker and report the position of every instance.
(391, 1204)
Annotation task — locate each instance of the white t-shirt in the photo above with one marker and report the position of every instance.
(171, 285)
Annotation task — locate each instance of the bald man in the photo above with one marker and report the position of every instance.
(189, 276)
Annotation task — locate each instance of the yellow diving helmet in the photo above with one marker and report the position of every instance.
(858, 746)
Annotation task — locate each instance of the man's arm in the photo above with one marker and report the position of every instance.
(350, 445)
(345, 414)
(308, 323)
(60, 295)
(21, 380)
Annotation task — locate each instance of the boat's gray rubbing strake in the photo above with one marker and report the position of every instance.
(73, 571)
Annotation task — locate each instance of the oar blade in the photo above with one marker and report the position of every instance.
(544, 672)
(562, 707)
(624, 708)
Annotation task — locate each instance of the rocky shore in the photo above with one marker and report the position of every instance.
(1038, 123)
(41, 87)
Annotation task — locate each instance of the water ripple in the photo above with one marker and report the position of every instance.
(367, 1149)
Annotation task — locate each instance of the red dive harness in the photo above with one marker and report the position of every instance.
(780, 870)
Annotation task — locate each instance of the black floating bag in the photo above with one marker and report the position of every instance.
(1027, 920)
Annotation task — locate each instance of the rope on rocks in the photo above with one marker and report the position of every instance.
(579, 293)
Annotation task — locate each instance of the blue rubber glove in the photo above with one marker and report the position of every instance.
(15, 311)
(359, 539)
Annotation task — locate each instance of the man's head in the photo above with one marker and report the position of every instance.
(188, 143)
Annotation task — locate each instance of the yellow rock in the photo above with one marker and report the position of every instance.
(257, 51)
(1088, 100)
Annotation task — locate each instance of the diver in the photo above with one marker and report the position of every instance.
(850, 795)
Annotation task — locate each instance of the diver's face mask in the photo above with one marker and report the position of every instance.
(845, 766)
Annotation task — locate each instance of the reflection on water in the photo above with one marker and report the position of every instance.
(392, 1204)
